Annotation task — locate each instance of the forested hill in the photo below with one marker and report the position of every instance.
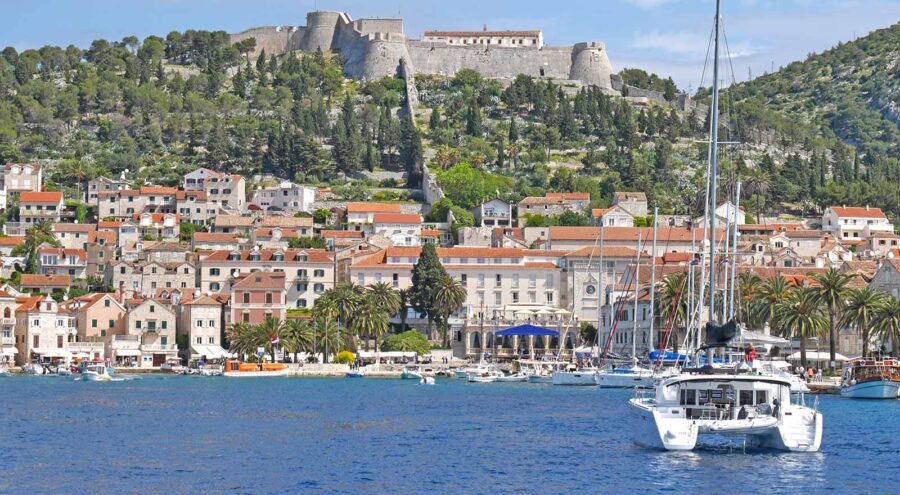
(851, 90)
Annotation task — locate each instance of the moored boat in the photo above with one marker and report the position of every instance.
(357, 373)
(630, 377)
(484, 376)
(575, 377)
(96, 372)
(757, 408)
(237, 369)
(871, 379)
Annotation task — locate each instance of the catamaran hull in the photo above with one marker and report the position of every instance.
(875, 389)
(801, 431)
(574, 379)
(625, 380)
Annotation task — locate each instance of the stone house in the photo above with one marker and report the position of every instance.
(403, 229)
(227, 191)
(44, 284)
(155, 324)
(57, 261)
(493, 213)
(103, 185)
(8, 348)
(43, 330)
(98, 317)
(22, 177)
(855, 223)
(880, 244)
(101, 252)
(257, 296)
(614, 216)
(194, 207)
(543, 206)
(201, 319)
(633, 202)
(36, 207)
(887, 278)
(73, 235)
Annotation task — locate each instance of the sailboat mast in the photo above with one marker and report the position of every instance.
(600, 288)
(713, 171)
(733, 258)
(637, 291)
(653, 277)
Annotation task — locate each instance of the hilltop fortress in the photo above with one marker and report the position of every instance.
(374, 48)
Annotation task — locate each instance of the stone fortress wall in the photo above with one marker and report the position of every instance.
(373, 48)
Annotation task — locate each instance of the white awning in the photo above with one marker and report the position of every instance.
(210, 351)
(387, 354)
(817, 356)
(54, 353)
(8, 351)
(128, 352)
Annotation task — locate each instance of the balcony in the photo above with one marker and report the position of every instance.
(7, 321)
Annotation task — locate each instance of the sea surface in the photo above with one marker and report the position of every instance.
(173, 434)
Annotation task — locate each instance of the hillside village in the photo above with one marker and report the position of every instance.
(197, 195)
(141, 285)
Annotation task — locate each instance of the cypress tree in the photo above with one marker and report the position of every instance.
(513, 130)
(473, 120)
(426, 274)
(410, 147)
(434, 122)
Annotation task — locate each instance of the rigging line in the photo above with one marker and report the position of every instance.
(631, 282)
(706, 60)
(676, 301)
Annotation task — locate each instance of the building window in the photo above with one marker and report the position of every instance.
(246, 297)
(199, 325)
(515, 297)
(212, 323)
(93, 323)
(549, 298)
(112, 323)
(137, 324)
(301, 303)
(268, 298)
(498, 280)
(214, 286)
(318, 288)
(319, 273)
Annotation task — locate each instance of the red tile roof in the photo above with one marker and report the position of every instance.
(396, 218)
(11, 241)
(215, 237)
(610, 251)
(74, 227)
(373, 208)
(200, 195)
(158, 190)
(157, 217)
(856, 211)
(663, 234)
(106, 236)
(285, 233)
(32, 280)
(106, 224)
(479, 34)
(260, 280)
(40, 197)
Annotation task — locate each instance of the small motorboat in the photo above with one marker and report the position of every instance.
(427, 380)
(484, 376)
(416, 373)
(357, 373)
(211, 371)
(32, 369)
(513, 378)
(628, 377)
(96, 372)
(173, 365)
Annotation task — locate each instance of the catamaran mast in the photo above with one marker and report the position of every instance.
(733, 257)
(637, 291)
(653, 277)
(713, 171)
(600, 288)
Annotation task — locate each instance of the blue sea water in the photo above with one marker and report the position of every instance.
(171, 435)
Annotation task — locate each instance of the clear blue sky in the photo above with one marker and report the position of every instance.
(665, 36)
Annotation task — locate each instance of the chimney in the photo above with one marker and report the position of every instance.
(867, 207)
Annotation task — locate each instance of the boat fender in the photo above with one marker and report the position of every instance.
(852, 382)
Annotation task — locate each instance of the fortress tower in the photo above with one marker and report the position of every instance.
(590, 64)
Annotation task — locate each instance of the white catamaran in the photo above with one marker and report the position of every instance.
(716, 401)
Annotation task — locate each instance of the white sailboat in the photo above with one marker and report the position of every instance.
(711, 401)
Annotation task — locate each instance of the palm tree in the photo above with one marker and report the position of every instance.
(385, 297)
(327, 338)
(748, 286)
(771, 292)
(862, 306)
(758, 182)
(800, 316)
(370, 320)
(244, 339)
(298, 336)
(39, 234)
(887, 323)
(269, 330)
(672, 302)
(832, 293)
(348, 298)
(449, 296)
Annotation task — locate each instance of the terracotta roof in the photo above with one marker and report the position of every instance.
(11, 241)
(599, 212)
(676, 257)
(312, 255)
(342, 234)
(396, 218)
(373, 208)
(40, 197)
(74, 227)
(158, 190)
(203, 300)
(430, 233)
(107, 224)
(260, 280)
(478, 34)
(215, 237)
(884, 235)
(28, 303)
(32, 280)
(182, 195)
(858, 211)
(107, 237)
(165, 246)
(569, 195)
(488, 253)
(775, 227)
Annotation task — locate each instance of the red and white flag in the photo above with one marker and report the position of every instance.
(274, 339)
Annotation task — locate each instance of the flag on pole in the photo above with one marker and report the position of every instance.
(274, 339)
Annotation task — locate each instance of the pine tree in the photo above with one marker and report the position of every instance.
(474, 126)
(426, 274)
(261, 66)
(434, 122)
(513, 134)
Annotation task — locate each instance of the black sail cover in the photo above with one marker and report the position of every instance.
(720, 335)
